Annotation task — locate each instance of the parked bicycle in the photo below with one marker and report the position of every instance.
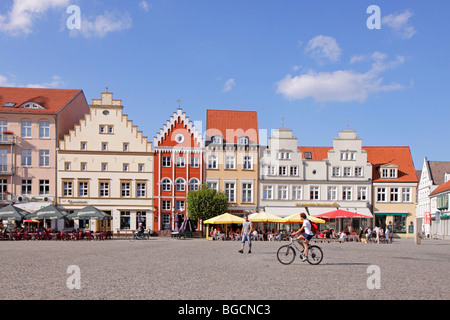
(286, 254)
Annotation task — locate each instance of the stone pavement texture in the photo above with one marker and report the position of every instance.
(197, 269)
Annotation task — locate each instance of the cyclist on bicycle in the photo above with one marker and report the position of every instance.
(140, 230)
(305, 234)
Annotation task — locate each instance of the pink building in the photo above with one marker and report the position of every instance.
(32, 121)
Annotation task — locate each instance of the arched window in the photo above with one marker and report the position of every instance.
(166, 184)
(180, 184)
(31, 105)
(194, 184)
(216, 139)
(243, 140)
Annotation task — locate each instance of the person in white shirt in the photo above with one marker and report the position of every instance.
(305, 234)
(377, 230)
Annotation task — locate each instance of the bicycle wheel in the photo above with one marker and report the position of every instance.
(133, 238)
(286, 254)
(315, 255)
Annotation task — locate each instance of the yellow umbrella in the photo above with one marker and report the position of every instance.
(265, 217)
(225, 218)
(295, 218)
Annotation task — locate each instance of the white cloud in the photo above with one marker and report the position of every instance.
(23, 14)
(229, 84)
(144, 5)
(400, 24)
(340, 85)
(101, 25)
(323, 48)
(56, 82)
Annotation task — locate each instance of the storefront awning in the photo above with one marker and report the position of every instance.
(391, 213)
(287, 211)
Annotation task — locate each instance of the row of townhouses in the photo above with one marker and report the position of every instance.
(55, 148)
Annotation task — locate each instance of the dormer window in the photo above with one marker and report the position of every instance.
(216, 140)
(389, 171)
(243, 141)
(31, 105)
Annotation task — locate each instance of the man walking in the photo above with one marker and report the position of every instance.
(247, 228)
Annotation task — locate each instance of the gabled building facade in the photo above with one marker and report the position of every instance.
(31, 123)
(440, 198)
(232, 157)
(178, 168)
(106, 162)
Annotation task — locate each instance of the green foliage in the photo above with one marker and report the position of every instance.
(206, 203)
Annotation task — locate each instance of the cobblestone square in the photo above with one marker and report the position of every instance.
(197, 269)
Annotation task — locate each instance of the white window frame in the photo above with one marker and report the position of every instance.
(297, 192)
(247, 162)
(247, 192)
(314, 193)
(213, 161)
(347, 193)
(283, 192)
(332, 193)
(230, 162)
(166, 161)
(230, 191)
(268, 192)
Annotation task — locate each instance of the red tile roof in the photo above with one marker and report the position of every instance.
(443, 187)
(400, 156)
(52, 100)
(232, 124)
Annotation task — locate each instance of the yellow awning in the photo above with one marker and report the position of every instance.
(265, 217)
(295, 218)
(225, 218)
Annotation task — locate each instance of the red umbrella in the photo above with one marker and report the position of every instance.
(336, 214)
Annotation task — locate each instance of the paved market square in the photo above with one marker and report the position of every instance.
(164, 268)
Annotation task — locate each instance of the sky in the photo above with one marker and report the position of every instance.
(305, 65)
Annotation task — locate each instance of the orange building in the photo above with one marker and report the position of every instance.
(178, 168)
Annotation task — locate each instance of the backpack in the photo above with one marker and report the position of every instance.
(314, 227)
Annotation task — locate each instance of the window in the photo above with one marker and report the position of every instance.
(271, 170)
(26, 158)
(126, 167)
(308, 155)
(83, 166)
(125, 189)
(44, 129)
(296, 193)
(102, 129)
(347, 193)
(83, 189)
(3, 127)
(381, 194)
(358, 172)
(67, 166)
(230, 191)
(294, 171)
(180, 184)
(194, 184)
(166, 185)
(282, 192)
(126, 147)
(26, 186)
(243, 141)
(314, 193)
(110, 129)
(212, 161)
(104, 146)
(362, 193)
(67, 188)
(347, 155)
(393, 173)
(104, 166)
(347, 171)
(247, 163)
(44, 158)
(83, 145)
(26, 129)
(166, 161)
(406, 194)
(332, 193)
(125, 220)
(141, 167)
(180, 162)
(394, 196)
(268, 192)
(180, 205)
(230, 162)
(336, 171)
(400, 223)
(247, 192)
(166, 205)
(44, 187)
(216, 140)
(213, 185)
(194, 162)
(104, 189)
(140, 189)
(282, 170)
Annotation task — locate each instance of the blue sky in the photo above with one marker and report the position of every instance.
(315, 63)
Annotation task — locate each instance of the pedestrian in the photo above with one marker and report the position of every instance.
(368, 234)
(246, 232)
(377, 231)
(387, 234)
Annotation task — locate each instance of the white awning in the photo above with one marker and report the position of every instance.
(314, 211)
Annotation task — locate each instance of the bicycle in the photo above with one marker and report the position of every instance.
(286, 254)
(139, 236)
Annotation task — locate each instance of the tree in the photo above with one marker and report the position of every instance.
(206, 203)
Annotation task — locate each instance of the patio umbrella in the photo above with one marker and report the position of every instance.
(296, 218)
(336, 214)
(48, 212)
(89, 212)
(265, 217)
(225, 219)
(11, 212)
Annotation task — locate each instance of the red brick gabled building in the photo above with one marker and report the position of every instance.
(178, 168)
